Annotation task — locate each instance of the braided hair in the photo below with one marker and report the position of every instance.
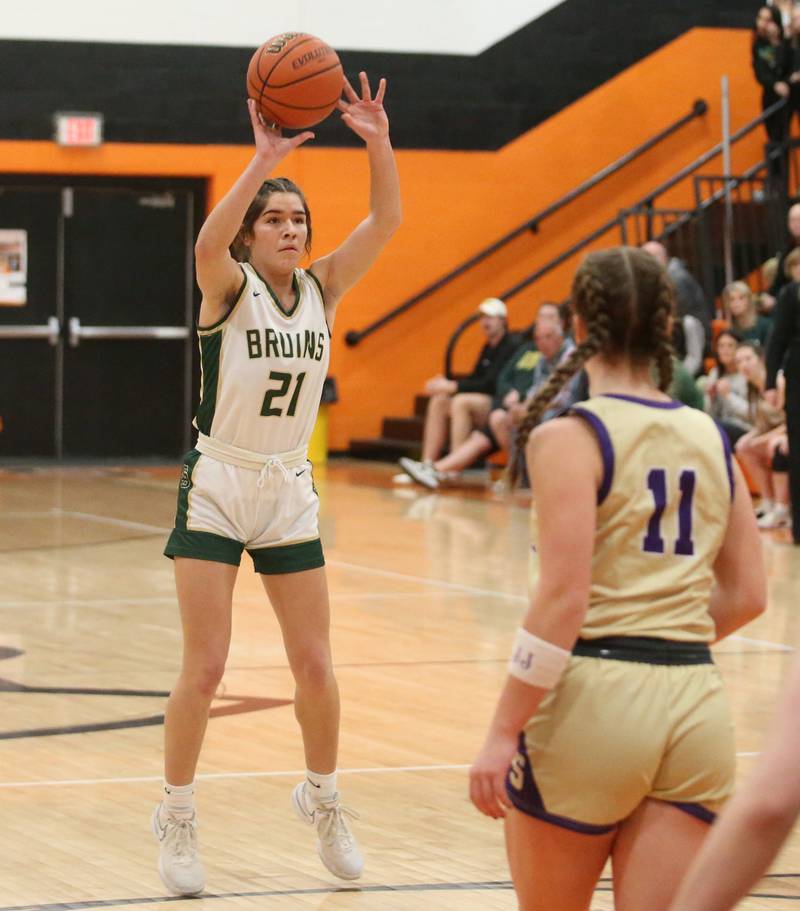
(239, 250)
(626, 301)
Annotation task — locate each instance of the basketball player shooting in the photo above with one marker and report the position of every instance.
(265, 344)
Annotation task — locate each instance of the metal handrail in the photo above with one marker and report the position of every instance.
(700, 106)
(619, 219)
(649, 198)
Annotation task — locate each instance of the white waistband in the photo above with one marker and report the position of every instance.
(247, 458)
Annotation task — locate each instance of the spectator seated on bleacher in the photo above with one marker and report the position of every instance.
(463, 404)
(746, 323)
(725, 389)
(757, 449)
(528, 368)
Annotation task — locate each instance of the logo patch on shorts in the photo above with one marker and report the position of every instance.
(186, 480)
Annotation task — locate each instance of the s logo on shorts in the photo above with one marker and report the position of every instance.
(516, 774)
(186, 481)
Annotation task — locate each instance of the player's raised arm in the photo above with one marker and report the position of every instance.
(218, 275)
(341, 269)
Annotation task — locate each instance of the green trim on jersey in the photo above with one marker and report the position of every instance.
(288, 558)
(203, 545)
(210, 351)
(298, 292)
(237, 300)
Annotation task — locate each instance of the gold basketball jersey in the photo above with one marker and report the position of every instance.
(662, 512)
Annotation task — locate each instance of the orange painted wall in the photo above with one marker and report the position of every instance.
(457, 202)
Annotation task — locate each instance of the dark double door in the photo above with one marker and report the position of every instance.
(98, 361)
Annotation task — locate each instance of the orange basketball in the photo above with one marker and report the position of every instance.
(295, 80)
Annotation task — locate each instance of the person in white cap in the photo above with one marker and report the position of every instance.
(464, 403)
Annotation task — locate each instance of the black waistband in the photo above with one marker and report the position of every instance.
(645, 649)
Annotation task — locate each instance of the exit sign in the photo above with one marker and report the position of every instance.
(74, 129)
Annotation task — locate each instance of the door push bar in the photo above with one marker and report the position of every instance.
(50, 331)
(78, 333)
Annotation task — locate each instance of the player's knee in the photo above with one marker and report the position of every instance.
(313, 671)
(206, 675)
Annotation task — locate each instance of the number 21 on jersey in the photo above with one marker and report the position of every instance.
(658, 483)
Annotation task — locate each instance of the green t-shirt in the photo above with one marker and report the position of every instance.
(683, 388)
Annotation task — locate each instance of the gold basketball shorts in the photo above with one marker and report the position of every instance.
(651, 721)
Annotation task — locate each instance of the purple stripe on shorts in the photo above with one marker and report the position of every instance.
(695, 809)
(639, 401)
(528, 800)
(606, 449)
(726, 446)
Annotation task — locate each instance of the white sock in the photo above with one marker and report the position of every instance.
(320, 787)
(766, 505)
(178, 799)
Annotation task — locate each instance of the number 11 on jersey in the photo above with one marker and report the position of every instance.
(653, 542)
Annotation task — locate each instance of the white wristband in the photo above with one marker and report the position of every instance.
(535, 661)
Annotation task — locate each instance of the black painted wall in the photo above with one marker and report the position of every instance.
(166, 94)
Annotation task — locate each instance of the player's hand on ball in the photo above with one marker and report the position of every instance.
(487, 777)
(269, 141)
(365, 115)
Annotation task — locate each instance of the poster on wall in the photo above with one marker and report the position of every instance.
(13, 268)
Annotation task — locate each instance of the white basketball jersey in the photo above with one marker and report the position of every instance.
(263, 368)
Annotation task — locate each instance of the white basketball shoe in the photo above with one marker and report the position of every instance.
(336, 845)
(179, 861)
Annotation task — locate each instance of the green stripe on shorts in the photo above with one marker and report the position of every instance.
(203, 545)
(288, 558)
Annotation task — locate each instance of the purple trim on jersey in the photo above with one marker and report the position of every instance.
(726, 446)
(606, 449)
(695, 809)
(648, 402)
(528, 800)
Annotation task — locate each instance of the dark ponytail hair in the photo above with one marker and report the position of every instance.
(625, 299)
(239, 250)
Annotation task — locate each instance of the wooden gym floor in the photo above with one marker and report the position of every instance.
(426, 591)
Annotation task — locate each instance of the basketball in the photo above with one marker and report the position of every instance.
(295, 80)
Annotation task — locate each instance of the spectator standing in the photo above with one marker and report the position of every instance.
(747, 324)
(771, 66)
(692, 309)
(784, 352)
(725, 390)
(464, 403)
(785, 9)
(793, 243)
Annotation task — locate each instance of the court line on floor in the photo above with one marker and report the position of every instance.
(218, 776)
(477, 886)
(470, 589)
(406, 577)
(386, 573)
(56, 511)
